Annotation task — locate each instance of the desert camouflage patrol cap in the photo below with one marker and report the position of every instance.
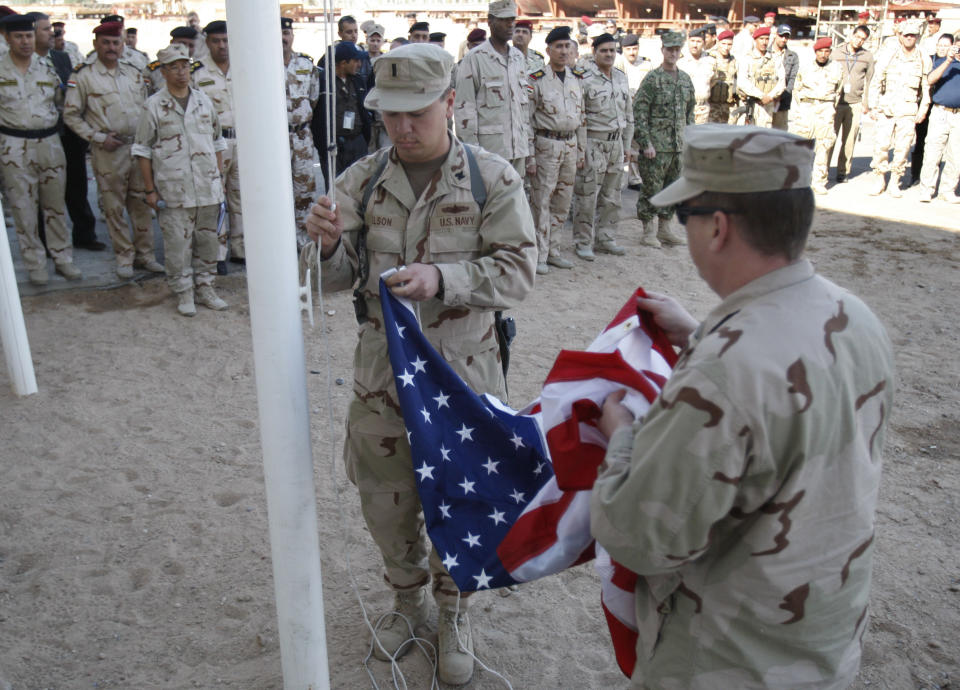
(503, 9)
(911, 26)
(672, 39)
(172, 53)
(736, 159)
(409, 78)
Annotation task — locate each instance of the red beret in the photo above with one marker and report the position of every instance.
(863, 15)
(822, 43)
(476, 35)
(586, 20)
(723, 35)
(770, 14)
(762, 31)
(108, 29)
(933, 20)
(523, 24)
(902, 18)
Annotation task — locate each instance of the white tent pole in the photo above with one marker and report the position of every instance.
(13, 330)
(259, 99)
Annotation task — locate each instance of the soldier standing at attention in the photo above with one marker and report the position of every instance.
(303, 92)
(178, 150)
(462, 258)
(127, 54)
(857, 63)
(636, 67)
(723, 93)
(791, 63)
(130, 39)
(522, 33)
(608, 111)
(899, 99)
(662, 108)
(701, 67)
(762, 79)
(491, 91)
(815, 96)
(746, 501)
(104, 104)
(214, 79)
(558, 144)
(32, 165)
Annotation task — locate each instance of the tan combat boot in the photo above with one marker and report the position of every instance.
(185, 305)
(455, 654)
(667, 236)
(649, 238)
(208, 298)
(877, 185)
(397, 630)
(893, 189)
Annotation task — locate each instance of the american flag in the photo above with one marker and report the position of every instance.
(506, 493)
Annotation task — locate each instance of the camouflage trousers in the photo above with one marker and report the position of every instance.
(895, 132)
(304, 162)
(657, 173)
(701, 113)
(814, 120)
(597, 193)
(189, 245)
(943, 142)
(762, 114)
(846, 126)
(120, 185)
(551, 191)
(720, 112)
(781, 120)
(33, 172)
(231, 188)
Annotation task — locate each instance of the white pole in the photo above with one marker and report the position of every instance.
(13, 330)
(266, 191)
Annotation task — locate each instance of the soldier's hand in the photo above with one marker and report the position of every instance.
(324, 226)
(614, 413)
(580, 163)
(675, 321)
(152, 198)
(416, 281)
(650, 152)
(112, 143)
(920, 118)
(531, 168)
(767, 98)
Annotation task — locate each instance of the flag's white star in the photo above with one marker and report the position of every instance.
(418, 365)
(442, 400)
(450, 562)
(426, 415)
(472, 539)
(516, 440)
(539, 469)
(425, 471)
(483, 580)
(516, 496)
(406, 378)
(491, 466)
(444, 509)
(497, 516)
(445, 452)
(400, 330)
(464, 431)
(468, 487)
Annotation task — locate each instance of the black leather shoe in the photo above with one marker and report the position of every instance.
(221, 268)
(93, 246)
(635, 187)
(238, 260)
(841, 178)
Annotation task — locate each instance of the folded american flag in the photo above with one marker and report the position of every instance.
(506, 493)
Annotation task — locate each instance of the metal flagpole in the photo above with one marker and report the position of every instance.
(13, 330)
(267, 196)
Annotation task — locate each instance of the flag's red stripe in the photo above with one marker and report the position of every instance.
(533, 533)
(624, 642)
(575, 461)
(575, 366)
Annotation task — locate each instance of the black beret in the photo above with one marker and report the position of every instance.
(215, 27)
(17, 22)
(112, 18)
(184, 32)
(419, 26)
(132, 30)
(696, 33)
(601, 39)
(438, 36)
(286, 23)
(710, 29)
(560, 33)
(629, 40)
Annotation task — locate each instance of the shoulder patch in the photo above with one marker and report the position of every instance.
(579, 72)
(537, 53)
(304, 55)
(195, 66)
(153, 65)
(80, 67)
(539, 74)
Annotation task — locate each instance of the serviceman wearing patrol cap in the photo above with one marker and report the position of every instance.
(557, 145)
(608, 113)
(182, 35)
(761, 81)
(454, 216)
(303, 92)
(214, 79)
(491, 91)
(104, 104)
(522, 33)
(747, 498)
(178, 150)
(32, 164)
(662, 108)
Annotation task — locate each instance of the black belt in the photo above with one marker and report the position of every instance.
(297, 128)
(604, 136)
(560, 136)
(29, 133)
(948, 108)
(228, 132)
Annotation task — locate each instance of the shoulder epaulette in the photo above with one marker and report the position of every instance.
(620, 71)
(80, 66)
(579, 72)
(304, 55)
(539, 74)
(195, 66)
(153, 65)
(537, 53)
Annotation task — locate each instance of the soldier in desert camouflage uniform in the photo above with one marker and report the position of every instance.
(32, 164)
(303, 92)
(557, 145)
(723, 93)
(153, 75)
(69, 47)
(760, 82)
(460, 265)
(701, 67)
(522, 33)
(815, 94)
(899, 99)
(608, 112)
(491, 92)
(662, 107)
(746, 499)
(104, 104)
(214, 79)
(178, 149)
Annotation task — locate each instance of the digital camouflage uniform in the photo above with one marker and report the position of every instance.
(100, 101)
(703, 73)
(557, 143)
(32, 165)
(746, 499)
(181, 146)
(759, 75)
(608, 113)
(210, 79)
(490, 109)
(723, 93)
(303, 92)
(487, 262)
(662, 107)
(815, 94)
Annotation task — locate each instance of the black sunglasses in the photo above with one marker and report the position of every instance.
(684, 212)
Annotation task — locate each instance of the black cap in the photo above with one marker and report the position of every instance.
(184, 32)
(438, 36)
(132, 30)
(629, 40)
(215, 27)
(710, 29)
(17, 22)
(112, 18)
(419, 26)
(286, 23)
(601, 39)
(560, 33)
(696, 33)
